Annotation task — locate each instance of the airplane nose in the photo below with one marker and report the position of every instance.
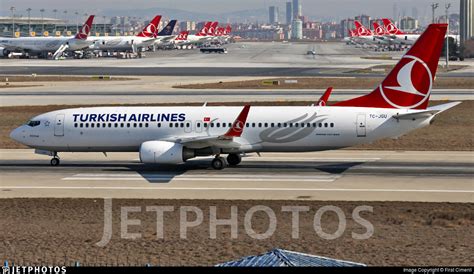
(16, 134)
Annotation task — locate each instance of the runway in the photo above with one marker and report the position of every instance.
(334, 175)
(24, 96)
(228, 71)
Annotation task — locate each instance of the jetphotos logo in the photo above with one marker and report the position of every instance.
(411, 86)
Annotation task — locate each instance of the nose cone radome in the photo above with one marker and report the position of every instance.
(16, 134)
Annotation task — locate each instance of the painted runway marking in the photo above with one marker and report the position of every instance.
(240, 189)
(199, 177)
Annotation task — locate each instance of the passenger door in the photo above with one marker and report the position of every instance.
(59, 125)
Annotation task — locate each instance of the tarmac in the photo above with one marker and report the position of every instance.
(346, 175)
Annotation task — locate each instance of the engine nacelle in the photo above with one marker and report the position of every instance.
(163, 152)
(4, 52)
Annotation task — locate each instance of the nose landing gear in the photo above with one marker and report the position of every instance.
(55, 161)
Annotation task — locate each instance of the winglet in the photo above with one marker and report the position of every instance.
(239, 123)
(324, 99)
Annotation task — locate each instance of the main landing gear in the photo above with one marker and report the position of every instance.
(55, 161)
(220, 163)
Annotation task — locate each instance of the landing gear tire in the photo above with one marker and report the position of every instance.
(55, 162)
(218, 163)
(234, 159)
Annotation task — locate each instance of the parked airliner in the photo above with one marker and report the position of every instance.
(172, 135)
(58, 45)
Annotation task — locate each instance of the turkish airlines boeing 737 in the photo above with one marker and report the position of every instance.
(172, 135)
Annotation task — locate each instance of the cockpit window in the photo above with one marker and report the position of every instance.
(34, 123)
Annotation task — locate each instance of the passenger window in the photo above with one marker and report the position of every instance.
(297, 125)
(181, 125)
(205, 125)
(110, 125)
(140, 125)
(198, 124)
(81, 125)
(115, 125)
(218, 124)
(302, 124)
(146, 124)
(259, 124)
(279, 125)
(121, 124)
(128, 124)
(75, 124)
(253, 124)
(87, 124)
(171, 124)
(212, 124)
(272, 125)
(325, 124)
(103, 125)
(266, 124)
(92, 125)
(247, 125)
(285, 125)
(320, 125)
(332, 124)
(176, 124)
(134, 124)
(159, 124)
(97, 125)
(314, 124)
(291, 124)
(188, 125)
(230, 125)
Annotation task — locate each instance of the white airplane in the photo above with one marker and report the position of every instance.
(366, 36)
(165, 36)
(202, 35)
(398, 36)
(142, 40)
(40, 45)
(172, 135)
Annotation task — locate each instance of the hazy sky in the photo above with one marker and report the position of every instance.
(316, 9)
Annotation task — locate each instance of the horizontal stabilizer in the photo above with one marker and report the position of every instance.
(431, 111)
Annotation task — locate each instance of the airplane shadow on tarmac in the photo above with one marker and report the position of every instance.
(165, 173)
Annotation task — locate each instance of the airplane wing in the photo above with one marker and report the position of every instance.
(228, 140)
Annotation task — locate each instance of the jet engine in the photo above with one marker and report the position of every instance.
(163, 152)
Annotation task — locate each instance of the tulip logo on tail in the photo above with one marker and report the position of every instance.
(149, 31)
(391, 28)
(414, 79)
(84, 32)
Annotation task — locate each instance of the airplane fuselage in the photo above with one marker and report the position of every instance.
(41, 44)
(119, 42)
(289, 129)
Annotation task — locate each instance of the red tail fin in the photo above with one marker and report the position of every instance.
(151, 29)
(409, 84)
(228, 30)
(391, 28)
(182, 36)
(212, 29)
(85, 29)
(204, 30)
(378, 29)
(361, 29)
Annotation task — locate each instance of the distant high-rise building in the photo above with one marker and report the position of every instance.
(346, 25)
(408, 23)
(297, 29)
(273, 14)
(466, 23)
(289, 13)
(297, 9)
(364, 19)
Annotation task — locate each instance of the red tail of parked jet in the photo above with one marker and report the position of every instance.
(85, 29)
(204, 30)
(228, 30)
(390, 27)
(212, 29)
(409, 83)
(151, 29)
(182, 36)
(379, 30)
(361, 29)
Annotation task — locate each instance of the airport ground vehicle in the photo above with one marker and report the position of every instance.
(213, 50)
